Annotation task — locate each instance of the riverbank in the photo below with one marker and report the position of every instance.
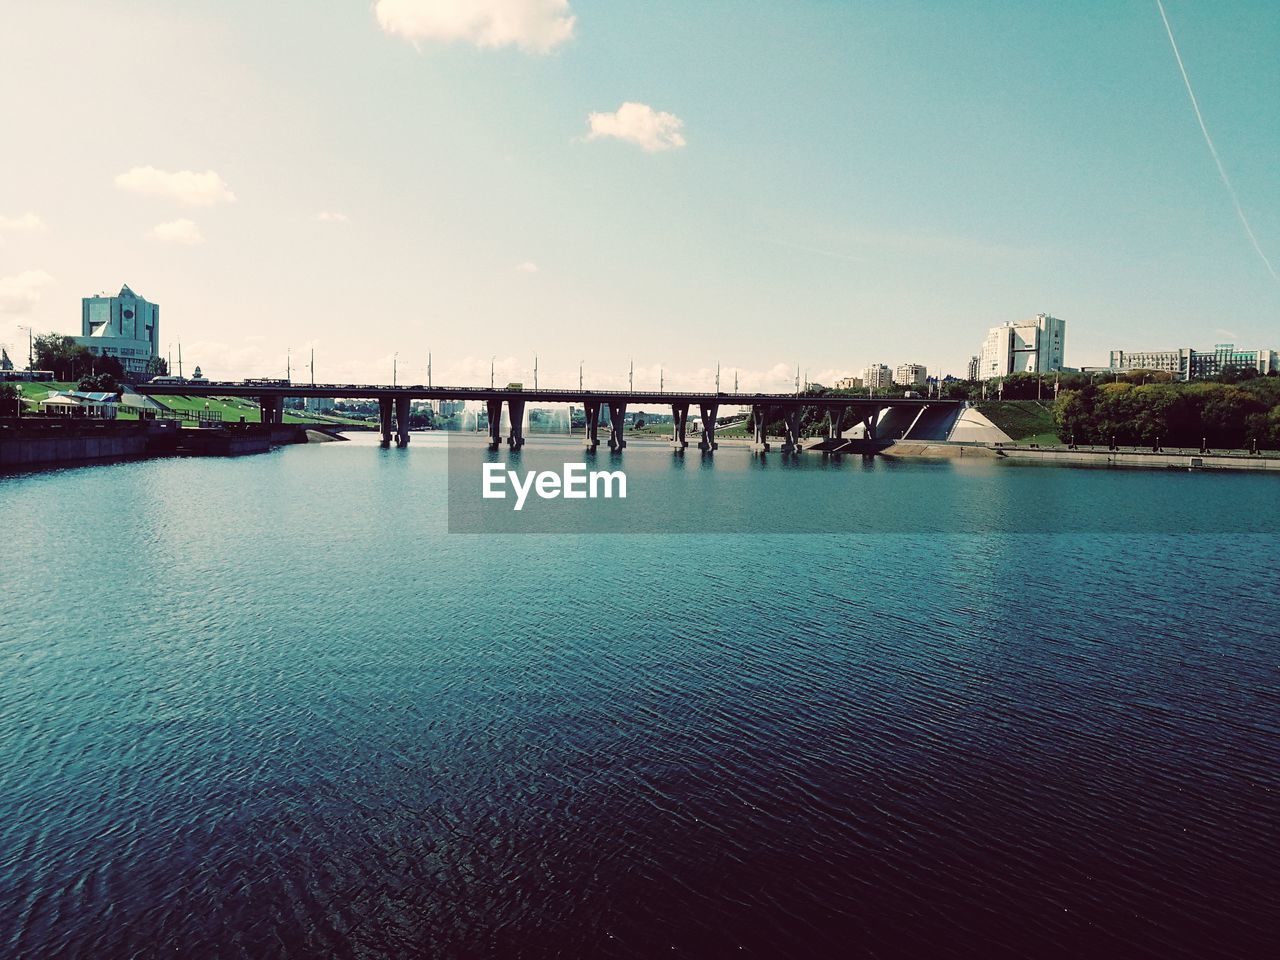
(1135, 457)
(41, 443)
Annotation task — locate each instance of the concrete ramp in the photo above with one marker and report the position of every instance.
(934, 423)
(894, 422)
(971, 425)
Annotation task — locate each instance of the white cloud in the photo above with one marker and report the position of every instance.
(638, 123)
(186, 186)
(184, 232)
(329, 216)
(27, 223)
(527, 267)
(536, 26)
(21, 292)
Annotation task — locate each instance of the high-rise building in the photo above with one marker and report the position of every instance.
(1029, 346)
(911, 374)
(1185, 363)
(974, 365)
(877, 376)
(125, 326)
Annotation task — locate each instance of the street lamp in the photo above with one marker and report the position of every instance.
(31, 352)
(579, 376)
(395, 360)
(492, 360)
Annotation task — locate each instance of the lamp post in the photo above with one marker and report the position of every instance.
(31, 350)
(395, 360)
(579, 376)
(492, 360)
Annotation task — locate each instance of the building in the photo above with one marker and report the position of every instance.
(877, 377)
(1029, 346)
(5, 363)
(1186, 363)
(849, 383)
(974, 365)
(447, 408)
(910, 375)
(125, 326)
(101, 406)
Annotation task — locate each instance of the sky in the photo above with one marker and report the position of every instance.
(820, 184)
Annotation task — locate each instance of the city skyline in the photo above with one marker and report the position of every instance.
(665, 177)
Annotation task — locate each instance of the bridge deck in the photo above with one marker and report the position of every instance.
(420, 392)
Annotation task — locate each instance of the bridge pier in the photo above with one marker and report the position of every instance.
(791, 430)
(835, 419)
(269, 408)
(494, 409)
(760, 428)
(385, 407)
(591, 414)
(709, 413)
(680, 423)
(515, 410)
(617, 425)
(402, 421)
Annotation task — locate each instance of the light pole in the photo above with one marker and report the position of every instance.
(428, 369)
(579, 376)
(31, 351)
(631, 377)
(717, 378)
(535, 372)
(395, 360)
(492, 360)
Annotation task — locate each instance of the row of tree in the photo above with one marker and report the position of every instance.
(70, 360)
(1173, 414)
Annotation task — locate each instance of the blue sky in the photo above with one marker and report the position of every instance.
(857, 182)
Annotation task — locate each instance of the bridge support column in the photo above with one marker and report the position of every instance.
(591, 416)
(869, 424)
(385, 407)
(270, 408)
(515, 410)
(494, 409)
(791, 430)
(709, 413)
(402, 421)
(617, 425)
(760, 428)
(835, 419)
(679, 423)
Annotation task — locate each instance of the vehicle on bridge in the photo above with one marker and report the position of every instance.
(266, 382)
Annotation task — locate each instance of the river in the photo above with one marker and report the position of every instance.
(270, 706)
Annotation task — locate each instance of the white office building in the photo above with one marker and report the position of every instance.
(125, 326)
(1029, 346)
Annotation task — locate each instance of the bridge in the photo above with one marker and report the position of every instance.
(841, 412)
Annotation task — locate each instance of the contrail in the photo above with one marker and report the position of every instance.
(1222, 172)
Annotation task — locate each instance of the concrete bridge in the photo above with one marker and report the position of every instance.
(841, 412)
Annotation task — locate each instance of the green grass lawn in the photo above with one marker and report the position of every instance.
(1025, 421)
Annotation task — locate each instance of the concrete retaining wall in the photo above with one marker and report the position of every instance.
(33, 451)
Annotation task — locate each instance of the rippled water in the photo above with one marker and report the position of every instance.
(267, 707)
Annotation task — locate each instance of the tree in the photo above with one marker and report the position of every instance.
(100, 383)
(157, 367)
(67, 359)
